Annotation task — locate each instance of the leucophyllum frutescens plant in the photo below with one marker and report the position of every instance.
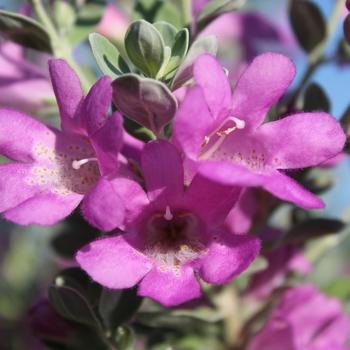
(167, 170)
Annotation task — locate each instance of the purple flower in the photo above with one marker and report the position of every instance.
(171, 235)
(22, 84)
(222, 136)
(54, 170)
(281, 261)
(304, 319)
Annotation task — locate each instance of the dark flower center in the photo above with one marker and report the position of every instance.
(173, 239)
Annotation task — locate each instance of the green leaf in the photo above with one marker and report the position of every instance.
(167, 31)
(202, 45)
(311, 229)
(124, 338)
(178, 53)
(167, 319)
(147, 101)
(24, 31)
(118, 307)
(72, 306)
(145, 47)
(71, 296)
(214, 9)
(106, 55)
(308, 24)
(315, 99)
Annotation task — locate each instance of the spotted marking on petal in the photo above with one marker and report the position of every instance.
(54, 171)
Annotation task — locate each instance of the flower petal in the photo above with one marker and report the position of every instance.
(132, 147)
(170, 289)
(102, 207)
(19, 133)
(163, 170)
(113, 262)
(107, 143)
(276, 335)
(13, 186)
(286, 188)
(133, 196)
(302, 140)
(193, 122)
(228, 256)
(275, 182)
(43, 209)
(68, 91)
(240, 218)
(260, 86)
(217, 91)
(211, 200)
(93, 111)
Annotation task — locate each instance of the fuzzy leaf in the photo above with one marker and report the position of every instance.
(24, 31)
(167, 31)
(178, 52)
(145, 47)
(106, 55)
(146, 101)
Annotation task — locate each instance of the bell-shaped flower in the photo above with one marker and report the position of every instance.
(224, 138)
(52, 170)
(304, 319)
(172, 235)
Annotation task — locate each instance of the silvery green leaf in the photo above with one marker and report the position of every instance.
(106, 55)
(215, 8)
(145, 47)
(203, 45)
(147, 101)
(167, 31)
(178, 52)
(24, 31)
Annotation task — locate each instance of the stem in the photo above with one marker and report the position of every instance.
(316, 57)
(60, 46)
(186, 11)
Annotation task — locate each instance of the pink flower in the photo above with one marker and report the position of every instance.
(22, 84)
(304, 319)
(52, 170)
(113, 24)
(281, 261)
(223, 137)
(171, 236)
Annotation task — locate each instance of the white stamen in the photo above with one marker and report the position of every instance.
(239, 124)
(76, 164)
(168, 215)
